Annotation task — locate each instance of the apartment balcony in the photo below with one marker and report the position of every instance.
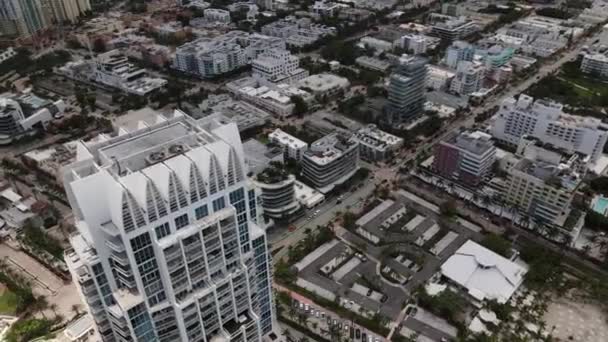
(115, 245)
(96, 310)
(212, 246)
(83, 276)
(120, 258)
(172, 253)
(193, 247)
(89, 290)
(94, 299)
(195, 255)
(129, 282)
(175, 264)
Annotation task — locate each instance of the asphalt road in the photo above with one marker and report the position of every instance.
(495, 100)
(327, 213)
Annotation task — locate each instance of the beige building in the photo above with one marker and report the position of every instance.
(542, 183)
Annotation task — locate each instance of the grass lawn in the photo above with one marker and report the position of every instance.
(585, 94)
(8, 303)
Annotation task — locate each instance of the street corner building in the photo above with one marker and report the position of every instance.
(168, 245)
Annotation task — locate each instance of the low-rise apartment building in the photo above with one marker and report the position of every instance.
(274, 98)
(278, 193)
(212, 57)
(546, 121)
(114, 69)
(466, 157)
(542, 185)
(324, 84)
(375, 144)
(330, 161)
(453, 28)
(595, 64)
(373, 63)
(293, 148)
(297, 32)
(469, 78)
(21, 113)
(415, 43)
(278, 66)
(457, 52)
(217, 15)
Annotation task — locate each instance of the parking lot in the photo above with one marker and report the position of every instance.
(328, 324)
(374, 266)
(341, 271)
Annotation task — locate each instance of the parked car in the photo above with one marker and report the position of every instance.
(358, 333)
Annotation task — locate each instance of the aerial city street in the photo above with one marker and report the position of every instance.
(303, 171)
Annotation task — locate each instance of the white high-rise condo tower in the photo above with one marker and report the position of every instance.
(168, 246)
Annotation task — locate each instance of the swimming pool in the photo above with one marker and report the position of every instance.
(601, 205)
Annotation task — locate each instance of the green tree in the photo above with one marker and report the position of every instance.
(497, 244)
(28, 329)
(448, 208)
(99, 45)
(299, 106)
(91, 101)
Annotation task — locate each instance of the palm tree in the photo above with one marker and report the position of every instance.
(302, 319)
(76, 309)
(53, 308)
(41, 304)
(552, 232)
(335, 332)
(59, 318)
(485, 199)
(292, 312)
(566, 240)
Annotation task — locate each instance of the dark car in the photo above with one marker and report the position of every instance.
(384, 298)
(364, 337)
(352, 333)
(358, 333)
(369, 292)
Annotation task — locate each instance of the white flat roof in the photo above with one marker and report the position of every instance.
(11, 195)
(287, 139)
(485, 274)
(413, 223)
(79, 328)
(365, 219)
